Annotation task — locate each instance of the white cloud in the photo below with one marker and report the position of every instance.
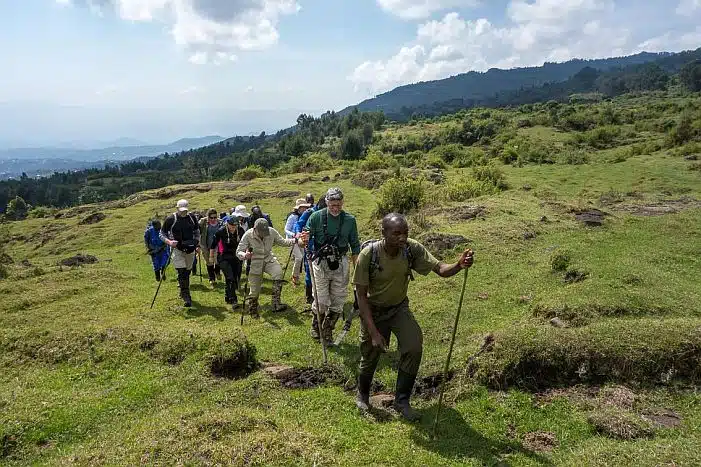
(537, 31)
(672, 41)
(209, 30)
(249, 89)
(418, 9)
(687, 7)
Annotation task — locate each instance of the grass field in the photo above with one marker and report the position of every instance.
(91, 375)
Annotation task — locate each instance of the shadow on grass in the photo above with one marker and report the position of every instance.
(290, 314)
(217, 312)
(457, 440)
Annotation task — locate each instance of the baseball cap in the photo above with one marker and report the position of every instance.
(261, 227)
(182, 205)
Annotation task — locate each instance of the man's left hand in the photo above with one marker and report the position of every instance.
(466, 259)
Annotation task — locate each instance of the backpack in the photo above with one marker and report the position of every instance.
(188, 246)
(375, 265)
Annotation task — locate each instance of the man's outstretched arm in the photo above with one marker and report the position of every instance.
(449, 270)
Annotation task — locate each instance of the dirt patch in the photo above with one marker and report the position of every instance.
(6, 259)
(574, 275)
(617, 396)
(26, 264)
(233, 367)
(691, 157)
(310, 377)
(621, 425)
(429, 386)
(382, 400)
(590, 217)
(252, 196)
(663, 418)
(442, 243)
(78, 260)
(465, 212)
(529, 235)
(540, 441)
(660, 208)
(93, 218)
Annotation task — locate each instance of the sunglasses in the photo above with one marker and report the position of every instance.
(212, 217)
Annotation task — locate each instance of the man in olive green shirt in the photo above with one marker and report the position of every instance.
(381, 278)
(333, 233)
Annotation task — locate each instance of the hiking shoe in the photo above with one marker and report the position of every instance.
(212, 283)
(362, 401)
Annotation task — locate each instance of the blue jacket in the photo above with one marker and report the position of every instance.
(153, 240)
(302, 223)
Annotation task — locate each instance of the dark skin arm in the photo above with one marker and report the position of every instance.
(449, 270)
(442, 269)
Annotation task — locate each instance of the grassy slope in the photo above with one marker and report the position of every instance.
(104, 401)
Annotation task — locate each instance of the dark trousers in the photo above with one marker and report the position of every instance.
(213, 271)
(231, 268)
(400, 322)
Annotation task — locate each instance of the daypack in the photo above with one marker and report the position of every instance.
(154, 240)
(188, 246)
(375, 265)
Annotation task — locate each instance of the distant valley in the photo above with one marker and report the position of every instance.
(43, 161)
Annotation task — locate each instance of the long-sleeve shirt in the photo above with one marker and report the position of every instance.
(226, 242)
(290, 225)
(180, 228)
(345, 230)
(262, 248)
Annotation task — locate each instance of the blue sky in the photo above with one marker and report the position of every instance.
(89, 70)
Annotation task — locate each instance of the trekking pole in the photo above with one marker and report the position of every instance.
(199, 263)
(245, 292)
(160, 281)
(284, 273)
(318, 316)
(450, 353)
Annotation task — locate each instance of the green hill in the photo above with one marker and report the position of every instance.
(585, 212)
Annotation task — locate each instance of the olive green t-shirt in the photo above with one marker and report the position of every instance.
(390, 282)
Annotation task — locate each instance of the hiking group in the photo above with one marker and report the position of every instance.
(321, 236)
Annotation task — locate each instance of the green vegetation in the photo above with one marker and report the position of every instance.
(584, 214)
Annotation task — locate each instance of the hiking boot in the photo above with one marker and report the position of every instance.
(253, 307)
(163, 274)
(402, 394)
(277, 291)
(314, 331)
(212, 283)
(362, 397)
(158, 275)
(328, 327)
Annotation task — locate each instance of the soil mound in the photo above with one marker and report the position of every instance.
(78, 260)
(93, 218)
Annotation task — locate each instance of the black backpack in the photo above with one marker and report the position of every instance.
(187, 246)
(375, 265)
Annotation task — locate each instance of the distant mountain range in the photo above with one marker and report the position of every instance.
(477, 86)
(46, 160)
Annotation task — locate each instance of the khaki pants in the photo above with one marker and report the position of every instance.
(331, 287)
(299, 256)
(403, 325)
(182, 260)
(255, 281)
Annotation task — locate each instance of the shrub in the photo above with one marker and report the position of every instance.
(400, 194)
(471, 157)
(465, 189)
(491, 174)
(448, 152)
(574, 157)
(375, 160)
(38, 212)
(599, 138)
(433, 161)
(309, 163)
(559, 262)
(250, 172)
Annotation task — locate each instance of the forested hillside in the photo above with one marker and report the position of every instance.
(479, 88)
(335, 138)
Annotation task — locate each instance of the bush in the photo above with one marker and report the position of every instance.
(400, 194)
(309, 163)
(574, 157)
(433, 161)
(448, 152)
(599, 138)
(492, 175)
(465, 189)
(559, 262)
(376, 160)
(39, 212)
(250, 172)
(471, 157)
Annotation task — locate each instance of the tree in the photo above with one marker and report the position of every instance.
(16, 209)
(352, 145)
(367, 133)
(690, 76)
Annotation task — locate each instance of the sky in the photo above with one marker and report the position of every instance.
(90, 71)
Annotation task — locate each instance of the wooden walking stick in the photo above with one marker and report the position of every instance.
(450, 353)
